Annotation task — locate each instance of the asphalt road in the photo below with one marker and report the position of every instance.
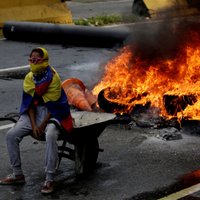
(92, 8)
(137, 163)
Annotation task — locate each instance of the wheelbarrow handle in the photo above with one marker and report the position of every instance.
(8, 119)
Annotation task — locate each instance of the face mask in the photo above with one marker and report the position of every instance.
(38, 68)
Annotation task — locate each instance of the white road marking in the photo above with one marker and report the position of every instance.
(14, 68)
(6, 126)
(182, 193)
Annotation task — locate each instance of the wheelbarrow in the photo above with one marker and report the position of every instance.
(84, 139)
(87, 128)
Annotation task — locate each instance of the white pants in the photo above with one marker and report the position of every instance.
(23, 128)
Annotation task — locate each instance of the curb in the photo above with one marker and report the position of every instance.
(14, 72)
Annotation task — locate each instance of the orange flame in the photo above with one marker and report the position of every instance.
(133, 80)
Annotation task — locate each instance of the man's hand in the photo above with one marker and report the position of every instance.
(38, 132)
(42, 127)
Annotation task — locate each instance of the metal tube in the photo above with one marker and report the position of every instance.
(64, 34)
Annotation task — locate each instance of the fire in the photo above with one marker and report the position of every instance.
(131, 79)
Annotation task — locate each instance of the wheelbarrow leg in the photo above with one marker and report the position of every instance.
(65, 152)
(61, 153)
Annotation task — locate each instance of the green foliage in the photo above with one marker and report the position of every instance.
(99, 20)
(106, 20)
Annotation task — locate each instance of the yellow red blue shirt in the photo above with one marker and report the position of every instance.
(47, 86)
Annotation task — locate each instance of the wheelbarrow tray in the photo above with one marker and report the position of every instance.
(89, 125)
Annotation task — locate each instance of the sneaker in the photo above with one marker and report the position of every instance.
(13, 180)
(48, 187)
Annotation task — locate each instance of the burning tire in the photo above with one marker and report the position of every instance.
(106, 105)
(174, 104)
(113, 107)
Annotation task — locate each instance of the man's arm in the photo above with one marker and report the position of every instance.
(31, 113)
(43, 125)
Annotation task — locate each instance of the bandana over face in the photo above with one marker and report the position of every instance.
(37, 68)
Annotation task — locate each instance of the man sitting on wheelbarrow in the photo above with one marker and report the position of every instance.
(43, 99)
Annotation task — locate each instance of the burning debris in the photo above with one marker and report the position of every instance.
(159, 72)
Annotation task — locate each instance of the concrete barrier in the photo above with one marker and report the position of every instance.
(172, 8)
(53, 11)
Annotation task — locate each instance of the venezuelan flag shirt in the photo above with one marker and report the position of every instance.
(45, 88)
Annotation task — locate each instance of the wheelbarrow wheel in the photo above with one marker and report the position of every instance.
(86, 155)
